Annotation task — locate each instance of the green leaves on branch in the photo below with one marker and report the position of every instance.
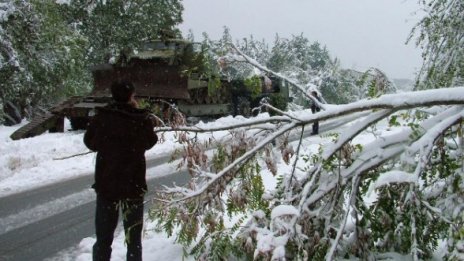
(253, 85)
(440, 34)
(47, 48)
(206, 225)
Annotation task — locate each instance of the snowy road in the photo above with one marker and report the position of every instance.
(37, 224)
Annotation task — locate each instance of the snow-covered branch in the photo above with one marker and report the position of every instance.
(393, 102)
(246, 123)
(290, 81)
(245, 157)
(330, 177)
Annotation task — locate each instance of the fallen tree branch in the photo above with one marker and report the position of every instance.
(75, 155)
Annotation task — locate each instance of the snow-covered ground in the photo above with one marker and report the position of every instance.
(34, 162)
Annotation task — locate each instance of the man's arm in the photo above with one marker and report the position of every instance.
(90, 137)
(150, 136)
(313, 107)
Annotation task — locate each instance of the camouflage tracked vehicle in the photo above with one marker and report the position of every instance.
(162, 70)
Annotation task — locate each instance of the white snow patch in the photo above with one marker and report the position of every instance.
(394, 177)
(284, 210)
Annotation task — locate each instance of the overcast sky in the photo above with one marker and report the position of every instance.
(361, 33)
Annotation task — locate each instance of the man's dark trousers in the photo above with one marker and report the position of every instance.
(315, 128)
(106, 220)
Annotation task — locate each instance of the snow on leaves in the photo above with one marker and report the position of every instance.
(324, 212)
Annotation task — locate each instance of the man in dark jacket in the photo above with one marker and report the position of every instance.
(120, 133)
(315, 108)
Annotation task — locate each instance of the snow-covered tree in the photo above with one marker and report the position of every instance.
(111, 26)
(307, 64)
(47, 47)
(322, 207)
(397, 194)
(40, 57)
(441, 36)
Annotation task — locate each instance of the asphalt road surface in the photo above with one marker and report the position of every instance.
(43, 238)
